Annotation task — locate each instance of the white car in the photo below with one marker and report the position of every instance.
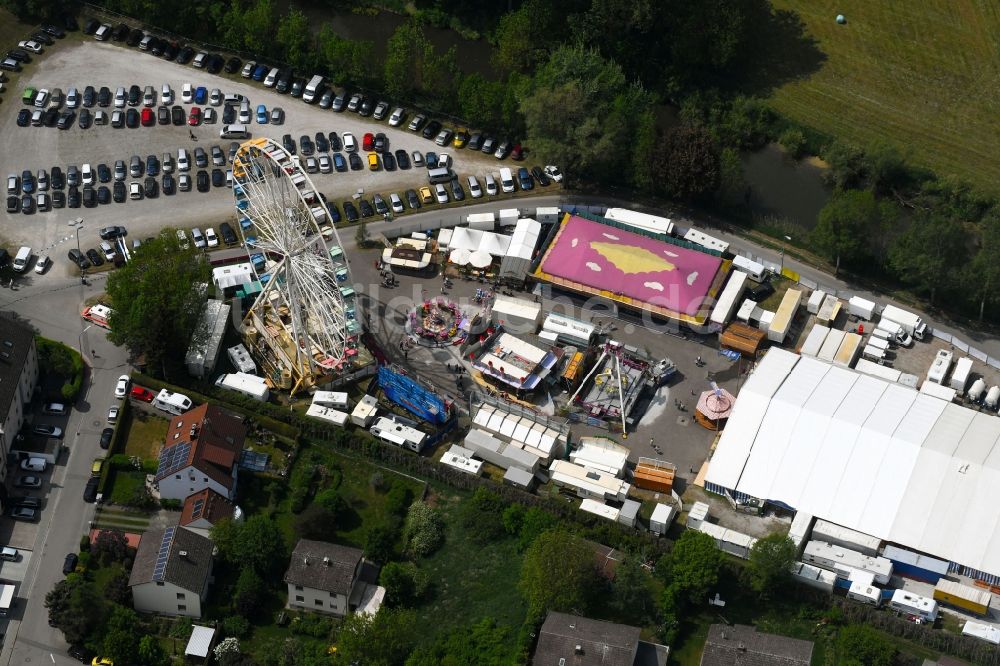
(187, 93)
(350, 143)
(554, 173)
(215, 97)
(474, 188)
(120, 98)
(42, 264)
(397, 117)
(417, 158)
(396, 202)
(135, 190)
(167, 94)
(211, 238)
(13, 185)
(72, 98)
(441, 193)
(245, 117)
(34, 464)
(121, 388)
(149, 96)
(31, 45)
(491, 185)
(109, 250)
(87, 174)
(248, 68)
(198, 237)
(113, 414)
(209, 116)
(42, 98)
(444, 161)
(325, 166)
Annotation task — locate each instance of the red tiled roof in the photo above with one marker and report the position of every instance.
(216, 438)
(208, 505)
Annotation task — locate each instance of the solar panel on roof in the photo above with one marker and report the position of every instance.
(173, 458)
(160, 568)
(199, 505)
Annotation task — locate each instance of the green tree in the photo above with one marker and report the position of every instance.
(846, 165)
(38, 9)
(151, 652)
(691, 569)
(316, 522)
(75, 608)
(293, 36)
(926, 252)
(248, 593)
(257, 543)
(423, 531)
(558, 573)
(578, 112)
(771, 560)
(885, 167)
(121, 636)
(644, 151)
(249, 28)
(481, 516)
(110, 546)
(984, 270)
(522, 35)
(793, 140)
(485, 644)
(383, 639)
(404, 583)
(481, 100)
(157, 301)
(845, 227)
(535, 522)
(380, 541)
(686, 164)
(861, 645)
(631, 597)
(404, 53)
(348, 61)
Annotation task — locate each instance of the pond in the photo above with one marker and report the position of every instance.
(785, 188)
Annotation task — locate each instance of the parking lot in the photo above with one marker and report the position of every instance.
(70, 64)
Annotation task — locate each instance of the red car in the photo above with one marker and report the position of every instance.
(368, 142)
(148, 119)
(195, 117)
(140, 393)
(517, 153)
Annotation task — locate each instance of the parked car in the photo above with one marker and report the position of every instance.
(47, 430)
(121, 388)
(488, 145)
(24, 513)
(69, 564)
(106, 436)
(141, 393)
(90, 490)
(28, 481)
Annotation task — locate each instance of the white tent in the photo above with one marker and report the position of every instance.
(232, 276)
(480, 259)
(517, 261)
(867, 454)
(459, 256)
(476, 240)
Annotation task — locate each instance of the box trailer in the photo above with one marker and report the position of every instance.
(814, 341)
(829, 310)
(729, 299)
(824, 530)
(914, 604)
(701, 238)
(644, 221)
(815, 301)
(984, 632)
(813, 576)
(481, 221)
(945, 393)
(364, 412)
(6, 599)
(784, 316)
(663, 516)
(401, 435)
(873, 354)
(755, 270)
(334, 416)
(876, 370)
(861, 308)
(844, 561)
(847, 353)
(800, 530)
(697, 515)
(967, 598)
(331, 399)
(960, 375)
(172, 403)
(910, 322)
(251, 386)
(909, 564)
(831, 345)
(241, 359)
(865, 593)
(940, 366)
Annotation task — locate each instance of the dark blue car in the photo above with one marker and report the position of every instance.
(27, 182)
(200, 95)
(259, 72)
(524, 178)
(339, 163)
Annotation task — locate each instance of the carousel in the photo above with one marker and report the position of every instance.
(437, 322)
(714, 407)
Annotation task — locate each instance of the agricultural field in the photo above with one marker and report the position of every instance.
(920, 75)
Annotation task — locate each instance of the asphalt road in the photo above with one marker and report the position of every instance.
(75, 64)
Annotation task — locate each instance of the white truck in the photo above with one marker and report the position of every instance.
(861, 307)
(910, 322)
(313, 89)
(249, 385)
(6, 599)
(898, 333)
(172, 403)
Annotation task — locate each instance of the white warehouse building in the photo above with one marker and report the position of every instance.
(872, 456)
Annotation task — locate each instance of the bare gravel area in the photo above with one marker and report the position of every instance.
(74, 64)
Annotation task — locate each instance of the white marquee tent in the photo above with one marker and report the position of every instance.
(871, 455)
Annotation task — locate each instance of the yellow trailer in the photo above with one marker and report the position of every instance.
(961, 596)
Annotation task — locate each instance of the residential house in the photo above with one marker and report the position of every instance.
(18, 378)
(171, 572)
(743, 645)
(324, 577)
(570, 640)
(202, 450)
(203, 509)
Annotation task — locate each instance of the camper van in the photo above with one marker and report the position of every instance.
(251, 386)
(506, 180)
(172, 403)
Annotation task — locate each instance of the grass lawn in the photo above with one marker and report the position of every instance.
(470, 581)
(125, 485)
(146, 434)
(921, 75)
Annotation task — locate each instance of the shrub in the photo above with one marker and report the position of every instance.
(404, 583)
(170, 504)
(423, 532)
(397, 501)
(793, 140)
(309, 624)
(235, 625)
(84, 543)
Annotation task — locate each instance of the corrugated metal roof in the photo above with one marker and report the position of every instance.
(200, 641)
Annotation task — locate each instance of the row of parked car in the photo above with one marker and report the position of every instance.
(13, 60)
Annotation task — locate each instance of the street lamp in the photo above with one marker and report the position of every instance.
(78, 223)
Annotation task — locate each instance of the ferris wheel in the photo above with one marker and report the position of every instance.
(303, 322)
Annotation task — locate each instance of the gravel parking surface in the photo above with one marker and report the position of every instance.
(99, 64)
